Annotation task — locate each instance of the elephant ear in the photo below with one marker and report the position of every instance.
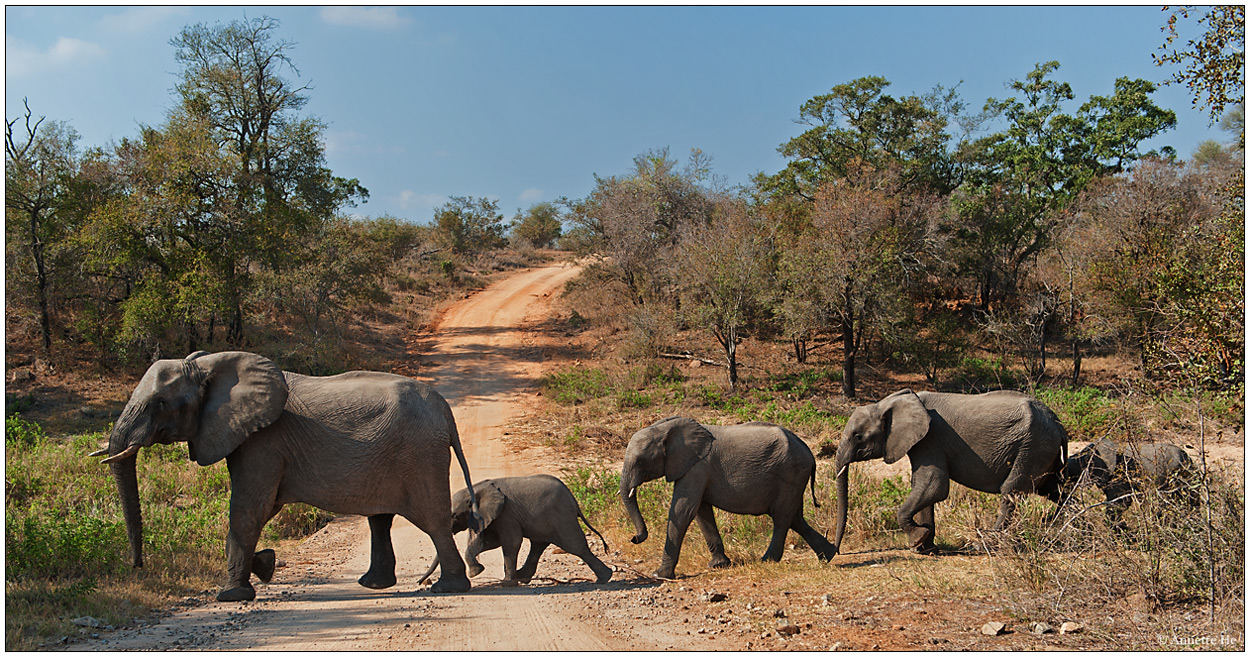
(1108, 452)
(242, 393)
(906, 421)
(686, 442)
(490, 503)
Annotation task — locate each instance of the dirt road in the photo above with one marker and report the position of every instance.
(486, 363)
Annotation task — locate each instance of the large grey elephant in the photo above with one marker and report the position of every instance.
(753, 469)
(998, 442)
(365, 443)
(538, 507)
(1120, 471)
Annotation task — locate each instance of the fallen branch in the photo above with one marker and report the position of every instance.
(691, 357)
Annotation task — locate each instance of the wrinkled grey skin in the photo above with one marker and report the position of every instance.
(1119, 471)
(538, 507)
(998, 442)
(752, 469)
(362, 442)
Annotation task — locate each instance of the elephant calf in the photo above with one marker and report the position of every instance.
(754, 469)
(538, 507)
(1119, 471)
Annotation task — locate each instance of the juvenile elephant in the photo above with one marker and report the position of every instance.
(753, 469)
(1120, 471)
(538, 507)
(365, 443)
(998, 442)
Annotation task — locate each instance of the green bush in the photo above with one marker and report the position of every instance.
(19, 432)
(1087, 413)
(577, 385)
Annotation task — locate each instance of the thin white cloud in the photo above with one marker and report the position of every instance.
(373, 18)
(410, 200)
(532, 194)
(24, 60)
(141, 20)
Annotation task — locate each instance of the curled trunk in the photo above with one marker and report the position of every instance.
(124, 473)
(629, 497)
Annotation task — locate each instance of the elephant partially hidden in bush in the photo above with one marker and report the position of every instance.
(364, 443)
(998, 442)
(753, 469)
(1120, 471)
(538, 507)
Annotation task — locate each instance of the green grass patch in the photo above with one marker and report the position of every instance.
(577, 385)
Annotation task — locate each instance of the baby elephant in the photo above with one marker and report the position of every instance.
(1119, 471)
(538, 507)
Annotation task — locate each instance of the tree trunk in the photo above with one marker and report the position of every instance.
(41, 282)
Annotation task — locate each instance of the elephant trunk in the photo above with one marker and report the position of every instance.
(123, 461)
(842, 465)
(629, 497)
(429, 572)
(124, 473)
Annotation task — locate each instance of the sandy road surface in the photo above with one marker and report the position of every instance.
(486, 364)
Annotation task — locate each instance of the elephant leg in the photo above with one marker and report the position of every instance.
(777, 546)
(706, 517)
(526, 573)
(818, 543)
(575, 544)
(381, 573)
(929, 485)
(925, 520)
(452, 578)
(1015, 485)
(680, 513)
(511, 546)
(246, 521)
(480, 542)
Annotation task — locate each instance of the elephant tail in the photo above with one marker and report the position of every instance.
(814, 501)
(475, 516)
(596, 531)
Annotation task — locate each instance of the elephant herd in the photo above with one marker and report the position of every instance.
(378, 445)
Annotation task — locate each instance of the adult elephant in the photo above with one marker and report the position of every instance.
(364, 443)
(998, 442)
(753, 469)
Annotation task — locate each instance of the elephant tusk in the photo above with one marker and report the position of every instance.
(100, 452)
(632, 492)
(842, 471)
(130, 451)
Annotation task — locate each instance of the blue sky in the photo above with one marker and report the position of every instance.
(527, 104)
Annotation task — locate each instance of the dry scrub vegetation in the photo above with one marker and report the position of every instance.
(1174, 577)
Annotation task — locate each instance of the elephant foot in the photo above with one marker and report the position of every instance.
(263, 564)
(665, 573)
(718, 561)
(237, 594)
(475, 569)
(451, 584)
(509, 583)
(602, 576)
(372, 580)
(922, 540)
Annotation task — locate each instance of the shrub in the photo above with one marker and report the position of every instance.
(577, 385)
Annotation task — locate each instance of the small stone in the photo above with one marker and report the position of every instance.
(786, 628)
(780, 613)
(826, 600)
(837, 645)
(993, 628)
(715, 596)
(87, 621)
(1041, 628)
(1071, 628)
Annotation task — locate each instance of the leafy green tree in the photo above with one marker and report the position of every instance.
(1022, 178)
(857, 128)
(468, 225)
(539, 226)
(1213, 66)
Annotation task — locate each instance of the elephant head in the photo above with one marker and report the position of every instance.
(490, 501)
(213, 402)
(887, 429)
(668, 448)
(1099, 458)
